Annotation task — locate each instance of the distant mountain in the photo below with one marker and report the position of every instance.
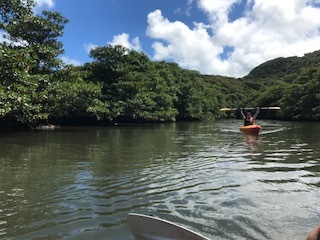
(281, 67)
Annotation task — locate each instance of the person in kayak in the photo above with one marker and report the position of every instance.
(248, 119)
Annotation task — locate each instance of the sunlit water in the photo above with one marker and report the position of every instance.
(80, 183)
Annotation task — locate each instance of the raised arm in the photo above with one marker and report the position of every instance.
(256, 113)
(242, 114)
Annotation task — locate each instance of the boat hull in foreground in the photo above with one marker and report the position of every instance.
(251, 129)
(144, 227)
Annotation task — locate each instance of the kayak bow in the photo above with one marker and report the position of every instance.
(251, 129)
(144, 227)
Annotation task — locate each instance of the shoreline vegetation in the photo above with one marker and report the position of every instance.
(124, 86)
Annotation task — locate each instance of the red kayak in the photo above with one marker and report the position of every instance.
(251, 129)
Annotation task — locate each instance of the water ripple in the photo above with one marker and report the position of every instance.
(208, 177)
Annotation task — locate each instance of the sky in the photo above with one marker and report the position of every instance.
(215, 37)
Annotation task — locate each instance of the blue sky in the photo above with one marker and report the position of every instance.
(219, 37)
(98, 21)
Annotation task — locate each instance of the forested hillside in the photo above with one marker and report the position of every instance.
(292, 83)
(282, 67)
(122, 85)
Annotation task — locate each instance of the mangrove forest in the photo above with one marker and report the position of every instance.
(123, 85)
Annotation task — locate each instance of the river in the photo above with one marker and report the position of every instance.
(81, 182)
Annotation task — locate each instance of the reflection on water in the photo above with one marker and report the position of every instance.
(81, 183)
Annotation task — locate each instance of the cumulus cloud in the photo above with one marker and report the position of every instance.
(2, 37)
(266, 30)
(88, 47)
(67, 60)
(191, 48)
(123, 40)
(187, 10)
(5, 38)
(45, 3)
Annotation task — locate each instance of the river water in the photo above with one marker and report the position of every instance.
(80, 183)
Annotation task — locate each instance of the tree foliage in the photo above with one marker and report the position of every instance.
(301, 99)
(293, 84)
(35, 86)
(125, 85)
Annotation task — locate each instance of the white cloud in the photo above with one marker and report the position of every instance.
(266, 30)
(187, 10)
(67, 60)
(217, 10)
(123, 40)
(88, 47)
(191, 48)
(2, 37)
(45, 3)
(5, 38)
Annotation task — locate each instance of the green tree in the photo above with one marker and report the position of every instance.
(35, 86)
(70, 96)
(197, 98)
(133, 86)
(301, 100)
(21, 93)
(14, 10)
(31, 48)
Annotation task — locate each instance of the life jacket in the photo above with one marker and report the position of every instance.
(248, 121)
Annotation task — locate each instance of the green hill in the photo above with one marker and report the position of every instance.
(282, 67)
(292, 83)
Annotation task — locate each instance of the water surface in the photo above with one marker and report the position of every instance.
(80, 183)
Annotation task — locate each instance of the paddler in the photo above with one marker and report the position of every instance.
(248, 119)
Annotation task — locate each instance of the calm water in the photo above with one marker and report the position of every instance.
(80, 183)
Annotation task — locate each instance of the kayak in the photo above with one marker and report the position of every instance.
(144, 227)
(251, 129)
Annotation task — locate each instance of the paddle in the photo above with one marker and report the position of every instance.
(251, 108)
